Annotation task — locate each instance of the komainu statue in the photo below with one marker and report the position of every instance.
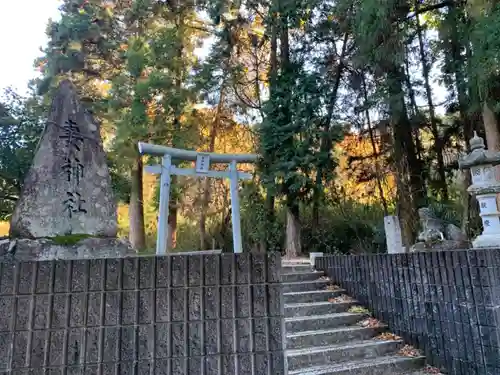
(435, 234)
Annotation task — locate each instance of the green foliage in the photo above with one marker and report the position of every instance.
(345, 227)
(20, 128)
(342, 64)
(485, 38)
(69, 240)
(450, 213)
(256, 230)
(290, 135)
(120, 181)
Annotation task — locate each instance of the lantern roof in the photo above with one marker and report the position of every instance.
(479, 155)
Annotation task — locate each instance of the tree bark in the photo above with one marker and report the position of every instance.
(416, 114)
(173, 204)
(292, 246)
(491, 128)
(374, 147)
(471, 209)
(203, 215)
(438, 144)
(137, 234)
(273, 73)
(326, 141)
(206, 186)
(409, 179)
(293, 243)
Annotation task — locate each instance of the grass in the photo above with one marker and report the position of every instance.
(68, 240)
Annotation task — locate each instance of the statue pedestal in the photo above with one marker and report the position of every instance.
(441, 246)
(487, 240)
(488, 211)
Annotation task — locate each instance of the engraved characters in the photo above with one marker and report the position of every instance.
(73, 168)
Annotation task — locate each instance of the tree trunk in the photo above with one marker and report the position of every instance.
(203, 214)
(173, 205)
(438, 143)
(410, 186)
(172, 226)
(206, 189)
(492, 137)
(273, 73)
(137, 235)
(491, 128)
(416, 114)
(471, 209)
(326, 141)
(374, 147)
(293, 246)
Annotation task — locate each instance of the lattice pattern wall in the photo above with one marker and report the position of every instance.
(446, 303)
(211, 314)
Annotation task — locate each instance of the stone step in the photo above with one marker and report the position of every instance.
(316, 308)
(301, 276)
(303, 259)
(353, 351)
(311, 296)
(305, 286)
(387, 365)
(296, 268)
(323, 337)
(317, 322)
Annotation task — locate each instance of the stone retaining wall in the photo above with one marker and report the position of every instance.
(445, 303)
(172, 315)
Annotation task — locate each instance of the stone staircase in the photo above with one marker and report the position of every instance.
(324, 338)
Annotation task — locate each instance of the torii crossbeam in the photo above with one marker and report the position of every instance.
(203, 161)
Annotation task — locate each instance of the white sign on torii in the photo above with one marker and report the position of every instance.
(202, 169)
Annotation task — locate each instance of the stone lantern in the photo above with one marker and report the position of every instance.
(485, 188)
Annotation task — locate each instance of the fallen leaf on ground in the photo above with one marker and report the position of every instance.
(359, 310)
(432, 370)
(369, 322)
(324, 278)
(388, 336)
(333, 287)
(341, 299)
(409, 351)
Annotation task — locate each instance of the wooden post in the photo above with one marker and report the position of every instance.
(235, 207)
(162, 240)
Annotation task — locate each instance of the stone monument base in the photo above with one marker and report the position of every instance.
(441, 246)
(487, 240)
(49, 249)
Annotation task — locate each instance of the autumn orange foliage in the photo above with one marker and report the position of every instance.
(357, 171)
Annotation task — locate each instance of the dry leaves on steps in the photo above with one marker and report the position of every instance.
(341, 299)
(333, 287)
(359, 310)
(369, 323)
(409, 351)
(432, 370)
(388, 336)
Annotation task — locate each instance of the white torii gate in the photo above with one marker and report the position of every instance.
(203, 160)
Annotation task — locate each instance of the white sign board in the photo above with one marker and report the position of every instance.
(202, 163)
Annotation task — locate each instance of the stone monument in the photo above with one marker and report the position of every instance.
(485, 188)
(393, 235)
(67, 207)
